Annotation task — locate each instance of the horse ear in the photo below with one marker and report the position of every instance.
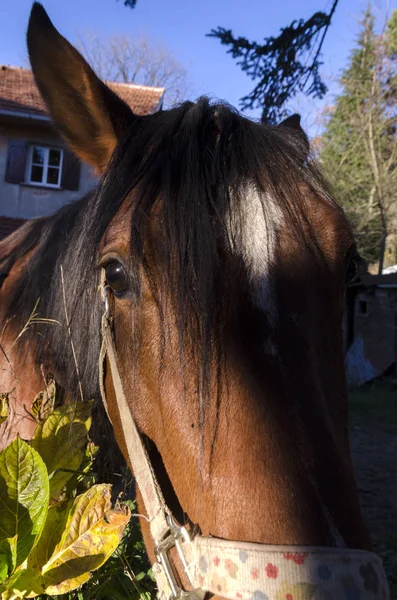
(86, 112)
(294, 122)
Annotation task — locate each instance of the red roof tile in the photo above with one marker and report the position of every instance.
(19, 94)
(8, 225)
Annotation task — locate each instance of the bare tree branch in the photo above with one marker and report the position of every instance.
(136, 60)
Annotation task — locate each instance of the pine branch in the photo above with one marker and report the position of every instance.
(130, 3)
(281, 64)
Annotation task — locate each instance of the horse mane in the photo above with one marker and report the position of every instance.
(47, 239)
(189, 168)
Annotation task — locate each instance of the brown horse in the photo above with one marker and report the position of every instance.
(225, 261)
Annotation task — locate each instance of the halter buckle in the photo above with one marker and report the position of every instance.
(177, 534)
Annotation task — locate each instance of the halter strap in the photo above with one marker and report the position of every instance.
(156, 507)
(232, 569)
(166, 533)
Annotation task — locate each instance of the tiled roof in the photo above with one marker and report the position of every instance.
(8, 225)
(19, 94)
(142, 99)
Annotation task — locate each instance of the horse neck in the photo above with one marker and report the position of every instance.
(20, 376)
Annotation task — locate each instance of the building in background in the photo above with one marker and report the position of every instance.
(38, 174)
(370, 328)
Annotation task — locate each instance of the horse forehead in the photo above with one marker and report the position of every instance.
(262, 224)
(329, 225)
(118, 232)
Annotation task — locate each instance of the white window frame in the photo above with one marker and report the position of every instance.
(45, 165)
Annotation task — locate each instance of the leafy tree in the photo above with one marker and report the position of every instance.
(391, 34)
(283, 65)
(359, 147)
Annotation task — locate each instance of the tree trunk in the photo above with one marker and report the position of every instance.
(382, 252)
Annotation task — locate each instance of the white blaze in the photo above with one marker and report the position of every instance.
(254, 228)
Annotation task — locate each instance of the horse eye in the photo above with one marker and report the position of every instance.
(116, 277)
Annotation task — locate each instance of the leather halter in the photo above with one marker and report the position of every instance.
(233, 569)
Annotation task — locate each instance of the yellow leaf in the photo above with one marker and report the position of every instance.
(44, 403)
(4, 407)
(93, 532)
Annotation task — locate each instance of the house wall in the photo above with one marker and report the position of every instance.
(375, 321)
(27, 201)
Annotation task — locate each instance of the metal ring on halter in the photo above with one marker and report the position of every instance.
(106, 293)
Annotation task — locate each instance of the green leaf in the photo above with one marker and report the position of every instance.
(54, 528)
(4, 567)
(28, 581)
(61, 441)
(20, 585)
(8, 557)
(24, 497)
(84, 478)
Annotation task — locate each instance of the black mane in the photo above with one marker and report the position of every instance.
(192, 164)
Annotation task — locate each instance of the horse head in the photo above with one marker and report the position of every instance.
(223, 259)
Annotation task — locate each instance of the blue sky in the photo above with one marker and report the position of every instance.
(183, 24)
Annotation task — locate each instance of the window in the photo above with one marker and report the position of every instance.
(44, 166)
(31, 163)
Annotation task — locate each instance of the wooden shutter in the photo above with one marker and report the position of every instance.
(16, 161)
(70, 171)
